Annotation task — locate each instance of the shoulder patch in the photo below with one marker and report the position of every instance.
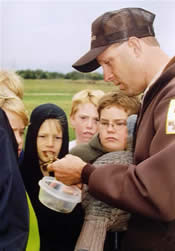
(170, 121)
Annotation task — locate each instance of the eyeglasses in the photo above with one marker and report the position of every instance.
(118, 124)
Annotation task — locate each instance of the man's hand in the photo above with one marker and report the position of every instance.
(68, 169)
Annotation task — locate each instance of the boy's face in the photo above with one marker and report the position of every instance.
(49, 140)
(113, 130)
(18, 127)
(85, 122)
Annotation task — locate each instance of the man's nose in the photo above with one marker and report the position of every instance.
(108, 75)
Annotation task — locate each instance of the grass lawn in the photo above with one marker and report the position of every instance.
(59, 92)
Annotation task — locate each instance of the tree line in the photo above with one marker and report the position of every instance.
(74, 75)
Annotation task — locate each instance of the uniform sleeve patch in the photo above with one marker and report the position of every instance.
(170, 122)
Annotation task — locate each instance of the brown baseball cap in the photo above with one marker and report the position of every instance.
(115, 27)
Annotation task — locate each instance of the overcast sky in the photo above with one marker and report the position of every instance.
(52, 34)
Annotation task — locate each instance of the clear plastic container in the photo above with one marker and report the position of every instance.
(57, 196)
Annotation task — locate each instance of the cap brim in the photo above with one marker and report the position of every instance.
(88, 62)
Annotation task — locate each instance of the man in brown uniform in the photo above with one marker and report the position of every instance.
(124, 44)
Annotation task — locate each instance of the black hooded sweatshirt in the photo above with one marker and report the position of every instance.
(58, 231)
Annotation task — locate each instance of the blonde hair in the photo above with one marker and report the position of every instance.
(129, 104)
(13, 82)
(16, 105)
(83, 97)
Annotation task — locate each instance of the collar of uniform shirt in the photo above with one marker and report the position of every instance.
(152, 82)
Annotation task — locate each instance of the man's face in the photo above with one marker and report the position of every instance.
(18, 127)
(49, 140)
(123, 65)
(113, 130)
(85, 122)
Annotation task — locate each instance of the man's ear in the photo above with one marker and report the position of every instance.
(135, 44)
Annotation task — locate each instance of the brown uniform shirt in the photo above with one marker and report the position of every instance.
(146, 188)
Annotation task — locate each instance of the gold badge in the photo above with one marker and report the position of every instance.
(170, 122)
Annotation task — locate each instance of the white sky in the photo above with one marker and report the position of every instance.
(53, 34)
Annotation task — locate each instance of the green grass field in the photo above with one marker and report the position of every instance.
(59, 92)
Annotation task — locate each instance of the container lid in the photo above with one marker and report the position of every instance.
(60, 191)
